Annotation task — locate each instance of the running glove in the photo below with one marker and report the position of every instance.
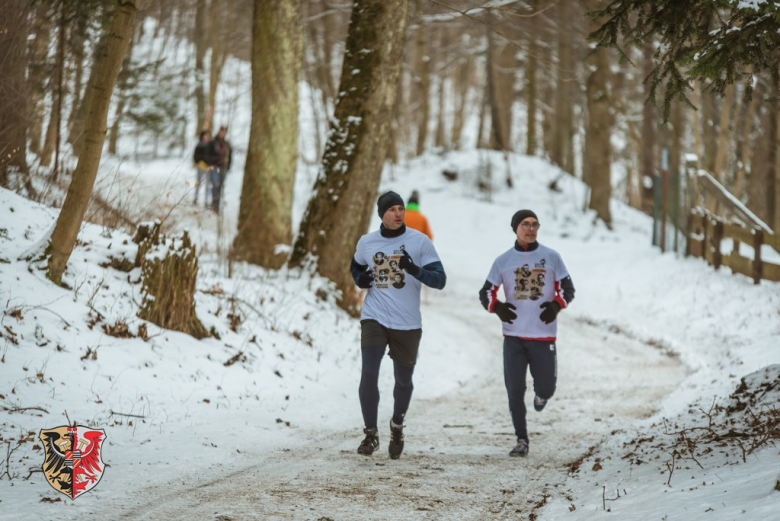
(551, 310)
(365, 280)
(408, 264)
(504, 311)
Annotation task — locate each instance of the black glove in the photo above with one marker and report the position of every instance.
(504, 311)
(408, 264)
(551, 310)
(365, 280)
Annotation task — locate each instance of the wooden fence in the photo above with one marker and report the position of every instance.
(706, 233)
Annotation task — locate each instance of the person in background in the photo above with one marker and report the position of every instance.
(223, 151)
(391, 313)
(534, 277)
(204, 159)
(414, 219)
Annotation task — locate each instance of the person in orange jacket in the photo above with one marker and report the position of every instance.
(414, 219)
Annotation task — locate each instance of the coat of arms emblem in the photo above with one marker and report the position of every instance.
(72, 458)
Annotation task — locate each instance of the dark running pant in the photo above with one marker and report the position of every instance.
(403, 350)
(519, 355)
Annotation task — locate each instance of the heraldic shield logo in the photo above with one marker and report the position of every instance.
(73, 461)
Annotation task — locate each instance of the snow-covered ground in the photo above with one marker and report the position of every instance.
(648, 346)
(264, 421)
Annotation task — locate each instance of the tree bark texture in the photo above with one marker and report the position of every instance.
(530, 86)
(562, 148)
(264, 217)
(340, 209)
(464, 86)
(107, 69)
(200, 37)
(218, 54)
(598, 153)
(649, 134)
(37, 75)
(502, 68)
(422, 82)
(13, 88)
(721, 152)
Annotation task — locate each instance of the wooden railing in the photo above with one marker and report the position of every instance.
(706, 233)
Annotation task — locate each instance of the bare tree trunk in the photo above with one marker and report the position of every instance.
(563, 150)
(107, 67)
(696, 124)
(51, 143)
(773, 177)
(723, 132)
(394, 140)
(501, 81)
(81, 105)
(484, 106)
(440, 137)
(37, 75)
(464, 84)
(530, 86)
(598, 152)
(200, 37)
(708, 109)
(264, 218)
(13, 88)
(340, 209)
(423, 81)
(649, 134)
(745, 150)
(218, 54)
(113, 135)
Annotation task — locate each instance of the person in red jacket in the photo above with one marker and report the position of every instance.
(414, 219)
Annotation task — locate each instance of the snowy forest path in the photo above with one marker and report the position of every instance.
(455, 465)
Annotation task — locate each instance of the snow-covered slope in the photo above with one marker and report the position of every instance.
(649, 337)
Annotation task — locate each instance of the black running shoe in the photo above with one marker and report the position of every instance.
(396, 445)
(521, 449)
(539, 403)
(370, 443)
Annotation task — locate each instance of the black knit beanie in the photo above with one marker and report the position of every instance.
(519, 216)
(386, 200)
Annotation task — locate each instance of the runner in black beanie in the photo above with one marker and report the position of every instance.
(388, 200)
(519, 216)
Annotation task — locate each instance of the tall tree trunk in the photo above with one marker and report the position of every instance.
(422, 72)
(37, 75)
(107, 67)
(464, 84)
(264, 218)
(121, 86)
(649, 134)
(51, 142)
(81, 102)
(562, 148)
(745, 144)
(218, 54)
(773, 174)
(723, 132)
(440, 137)
(340, 209)
(530, 85)
(501, 88)
(201, 38)
(484, 107)
(598, 153)
(394, 139)
(13, 92)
